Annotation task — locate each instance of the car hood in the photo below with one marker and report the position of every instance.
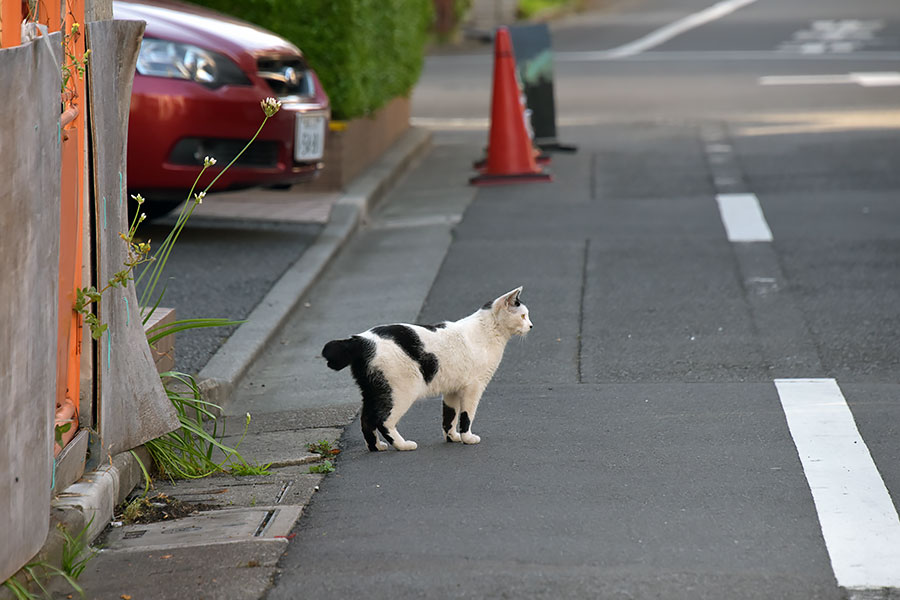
(191, 24)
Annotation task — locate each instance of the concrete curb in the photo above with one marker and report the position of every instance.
(225, 369)
(88, 505)
(90, 502)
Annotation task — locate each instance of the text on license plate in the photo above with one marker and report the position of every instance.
(309, 140)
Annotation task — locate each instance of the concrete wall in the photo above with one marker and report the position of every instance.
(349, 151)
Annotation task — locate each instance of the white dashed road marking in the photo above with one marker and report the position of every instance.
(856, 514)
(743, 218)
(872, 79)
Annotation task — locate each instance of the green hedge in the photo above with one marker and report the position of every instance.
(364, 51)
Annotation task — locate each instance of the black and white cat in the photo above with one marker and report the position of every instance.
(395, 365)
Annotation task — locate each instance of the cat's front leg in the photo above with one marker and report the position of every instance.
(468, 406)
(451, 406)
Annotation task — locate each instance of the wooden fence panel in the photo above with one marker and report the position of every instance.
(29, 263)
(133, 407)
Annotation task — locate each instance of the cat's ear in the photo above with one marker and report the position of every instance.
(509, 299)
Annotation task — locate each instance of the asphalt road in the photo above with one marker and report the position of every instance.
(199, 280)
(694, 415)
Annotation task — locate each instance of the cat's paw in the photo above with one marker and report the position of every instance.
(452, 436)
(381, 446)
(406, 445)
(470, 438)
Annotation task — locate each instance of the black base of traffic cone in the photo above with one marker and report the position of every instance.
(541, 159)
(516, 178)
(551, 145)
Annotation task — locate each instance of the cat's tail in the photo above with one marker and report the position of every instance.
(339, 353)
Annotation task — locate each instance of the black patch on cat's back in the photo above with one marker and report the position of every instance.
(405, 337)
(434, 327)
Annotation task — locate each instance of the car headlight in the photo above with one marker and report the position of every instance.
(162, 58)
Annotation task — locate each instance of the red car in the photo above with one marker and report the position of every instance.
(200, 78)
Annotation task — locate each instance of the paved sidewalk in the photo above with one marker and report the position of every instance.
(230, 550)
(288, 206)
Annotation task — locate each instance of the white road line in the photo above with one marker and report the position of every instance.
(704, 55)
(574, 56)
(865, 79)
(743, 218)
(667, 32)
(890, 78)
(858, 518)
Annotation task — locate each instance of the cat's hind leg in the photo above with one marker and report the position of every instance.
(451, 405)
(376, 406)
(393, 437)
(368, 430)
(388, 428)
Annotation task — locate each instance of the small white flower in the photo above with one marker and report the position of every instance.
(270, 106)
(198, 198)
(209, 161)
(137, 198)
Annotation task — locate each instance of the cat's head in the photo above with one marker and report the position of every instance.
(511, 314)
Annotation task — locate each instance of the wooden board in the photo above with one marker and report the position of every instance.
(132, 405)
(29, 263)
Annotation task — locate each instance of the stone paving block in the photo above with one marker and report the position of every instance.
(204, 528)
(229, 571)
(292, 485)
(280, 448)
(295, 420)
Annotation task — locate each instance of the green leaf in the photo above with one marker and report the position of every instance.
(97, 330)
(60, 430)
(325, 467)
(160, 331)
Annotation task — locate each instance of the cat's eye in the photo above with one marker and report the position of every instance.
(523, 317)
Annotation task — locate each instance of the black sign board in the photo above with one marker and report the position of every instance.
(534, 62)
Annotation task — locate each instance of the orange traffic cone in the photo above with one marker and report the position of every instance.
(510, 155)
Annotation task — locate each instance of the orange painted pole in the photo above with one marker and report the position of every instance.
(71, 208)
(49, 12)
(68, 330)
(11, 16)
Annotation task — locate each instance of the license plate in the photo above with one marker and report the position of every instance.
(309, 140)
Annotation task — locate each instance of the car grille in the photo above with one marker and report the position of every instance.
(287, 76)
(192, 151)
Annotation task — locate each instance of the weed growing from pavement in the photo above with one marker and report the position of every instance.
(324, 449)
(245, 470)
(38, 573)
(190, 452)
(75, 552)
(324, 467)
